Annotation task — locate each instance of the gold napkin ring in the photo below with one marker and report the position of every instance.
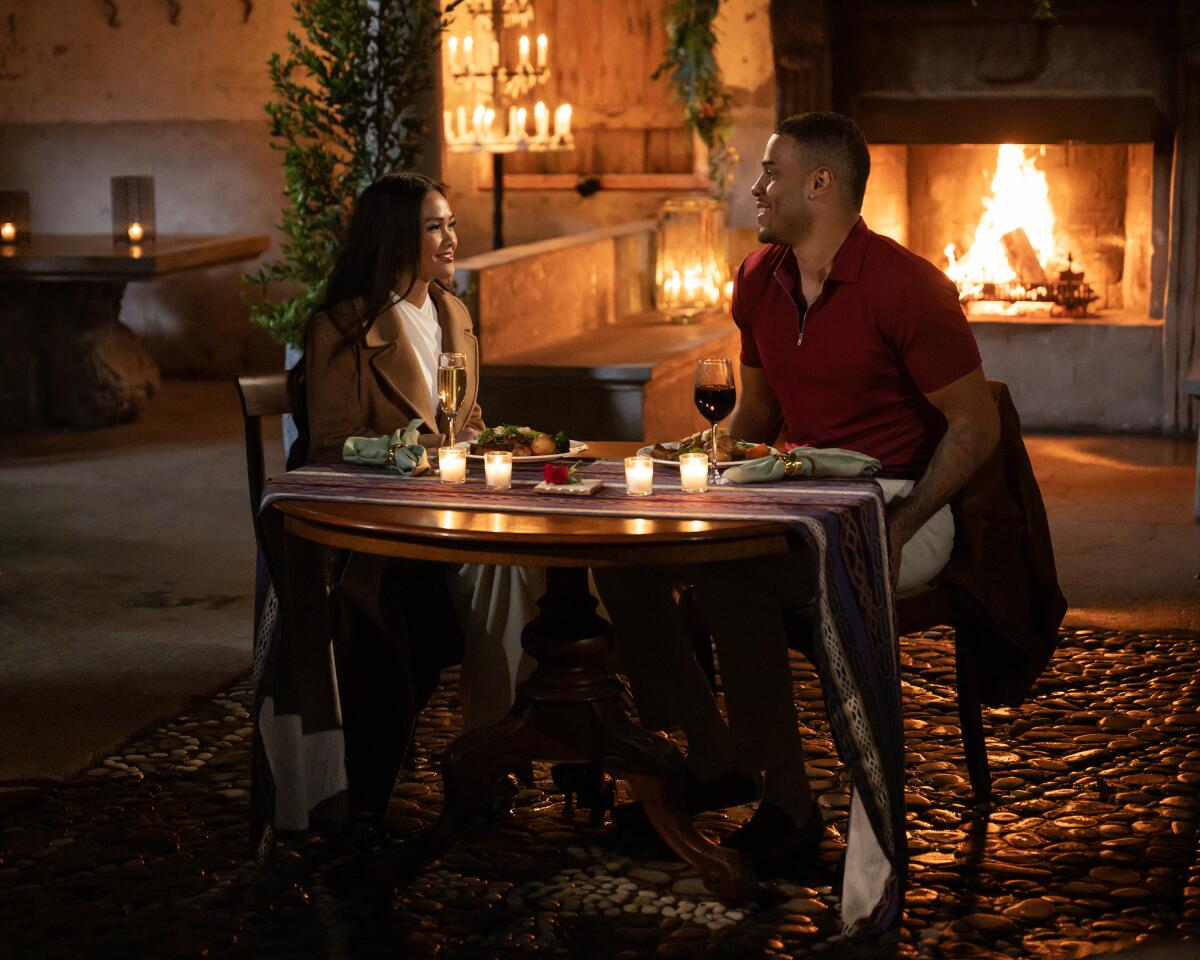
(391, 457)
(791, 468)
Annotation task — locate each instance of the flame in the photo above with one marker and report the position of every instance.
(1020, 198)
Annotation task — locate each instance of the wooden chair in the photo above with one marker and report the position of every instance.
(262, 395)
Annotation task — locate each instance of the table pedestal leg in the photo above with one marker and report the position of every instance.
(571, 709)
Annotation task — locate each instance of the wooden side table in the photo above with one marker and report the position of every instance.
(67, 358)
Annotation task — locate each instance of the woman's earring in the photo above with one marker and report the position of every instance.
(812, 196)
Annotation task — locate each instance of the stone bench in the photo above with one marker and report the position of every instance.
(1192, 385)
(569, 339)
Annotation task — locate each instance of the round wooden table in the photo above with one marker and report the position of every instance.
(572, 707)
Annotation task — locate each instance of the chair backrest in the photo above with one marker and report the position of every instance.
(262, 395)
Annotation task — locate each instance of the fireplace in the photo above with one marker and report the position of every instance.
(1026, 231)
(1049, 166)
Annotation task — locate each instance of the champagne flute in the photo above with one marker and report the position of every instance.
(715, 397)
(452, 387)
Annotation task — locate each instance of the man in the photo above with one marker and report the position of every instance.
(848, 340)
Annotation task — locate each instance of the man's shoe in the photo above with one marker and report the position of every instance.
(729, 789)
(773, 842)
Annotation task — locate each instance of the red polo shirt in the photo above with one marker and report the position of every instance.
(886, 328)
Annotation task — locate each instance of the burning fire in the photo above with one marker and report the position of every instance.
(1020, 200)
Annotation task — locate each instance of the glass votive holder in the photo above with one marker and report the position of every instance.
(452, 464)
(497, 469)
(693, 472)
(639, 476)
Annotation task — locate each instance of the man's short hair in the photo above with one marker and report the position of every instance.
(836, 141)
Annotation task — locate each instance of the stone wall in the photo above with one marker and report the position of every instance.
(81, 101)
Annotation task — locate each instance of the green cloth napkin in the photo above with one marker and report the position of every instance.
(805, 462)
(399, 452)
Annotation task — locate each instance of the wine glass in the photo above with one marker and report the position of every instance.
(715, 397)
(452, 387)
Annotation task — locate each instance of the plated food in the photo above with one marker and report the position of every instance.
(524, 443)
(729, 449)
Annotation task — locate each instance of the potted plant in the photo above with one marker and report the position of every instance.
(351, 102)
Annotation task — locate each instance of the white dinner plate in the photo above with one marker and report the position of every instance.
(674, 445)
(577, 446)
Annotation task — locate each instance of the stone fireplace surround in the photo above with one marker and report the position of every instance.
(936, 84)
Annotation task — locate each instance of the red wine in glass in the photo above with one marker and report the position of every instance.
(715, 396)
(715, 402)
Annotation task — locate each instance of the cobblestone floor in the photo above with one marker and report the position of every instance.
(1091, 845)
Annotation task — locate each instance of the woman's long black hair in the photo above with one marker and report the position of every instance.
(383, 244)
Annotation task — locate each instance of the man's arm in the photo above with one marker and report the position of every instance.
(757, 416)
(972, 432)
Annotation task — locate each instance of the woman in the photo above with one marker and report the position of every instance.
(370, 366)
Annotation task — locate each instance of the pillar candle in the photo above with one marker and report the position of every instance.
(542, 44)
(639, 476)
(448, 126)
(693, 472)
(497, 468)
(469, 50)
(541, 120)
(523, 48)
(452, 464)
(453, 54)
(521, 115)
(462, 122)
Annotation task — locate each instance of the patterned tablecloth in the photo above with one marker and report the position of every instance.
(300, 761)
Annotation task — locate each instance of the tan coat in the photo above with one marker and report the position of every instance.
(375, 386)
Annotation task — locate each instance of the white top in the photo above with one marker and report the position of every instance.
(425, 334)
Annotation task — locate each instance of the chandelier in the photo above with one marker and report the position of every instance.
(495, 121)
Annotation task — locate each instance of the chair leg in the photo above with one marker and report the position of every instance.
(970, 716)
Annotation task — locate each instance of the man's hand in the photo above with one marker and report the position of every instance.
(899, 533)
(972, 431)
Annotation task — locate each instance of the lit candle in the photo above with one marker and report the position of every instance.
(521, 115)
(452, 464)
(136, 232)
(497, 467)
(454, 54)
(469, 50)
(477, 121)
(8, 232)
(495, 54)
(542, 43)
(462, 122)
(565, 110)
(693, 472)
(729, 291)
(639, 476)
(541, 120)
(448, 125)
(523, 48)
(512, 123)
(489, 117)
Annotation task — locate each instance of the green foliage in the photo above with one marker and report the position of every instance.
(348, 96)
(691, 69)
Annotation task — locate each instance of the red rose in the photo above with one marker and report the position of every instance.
(707, 110)
(556, 473)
